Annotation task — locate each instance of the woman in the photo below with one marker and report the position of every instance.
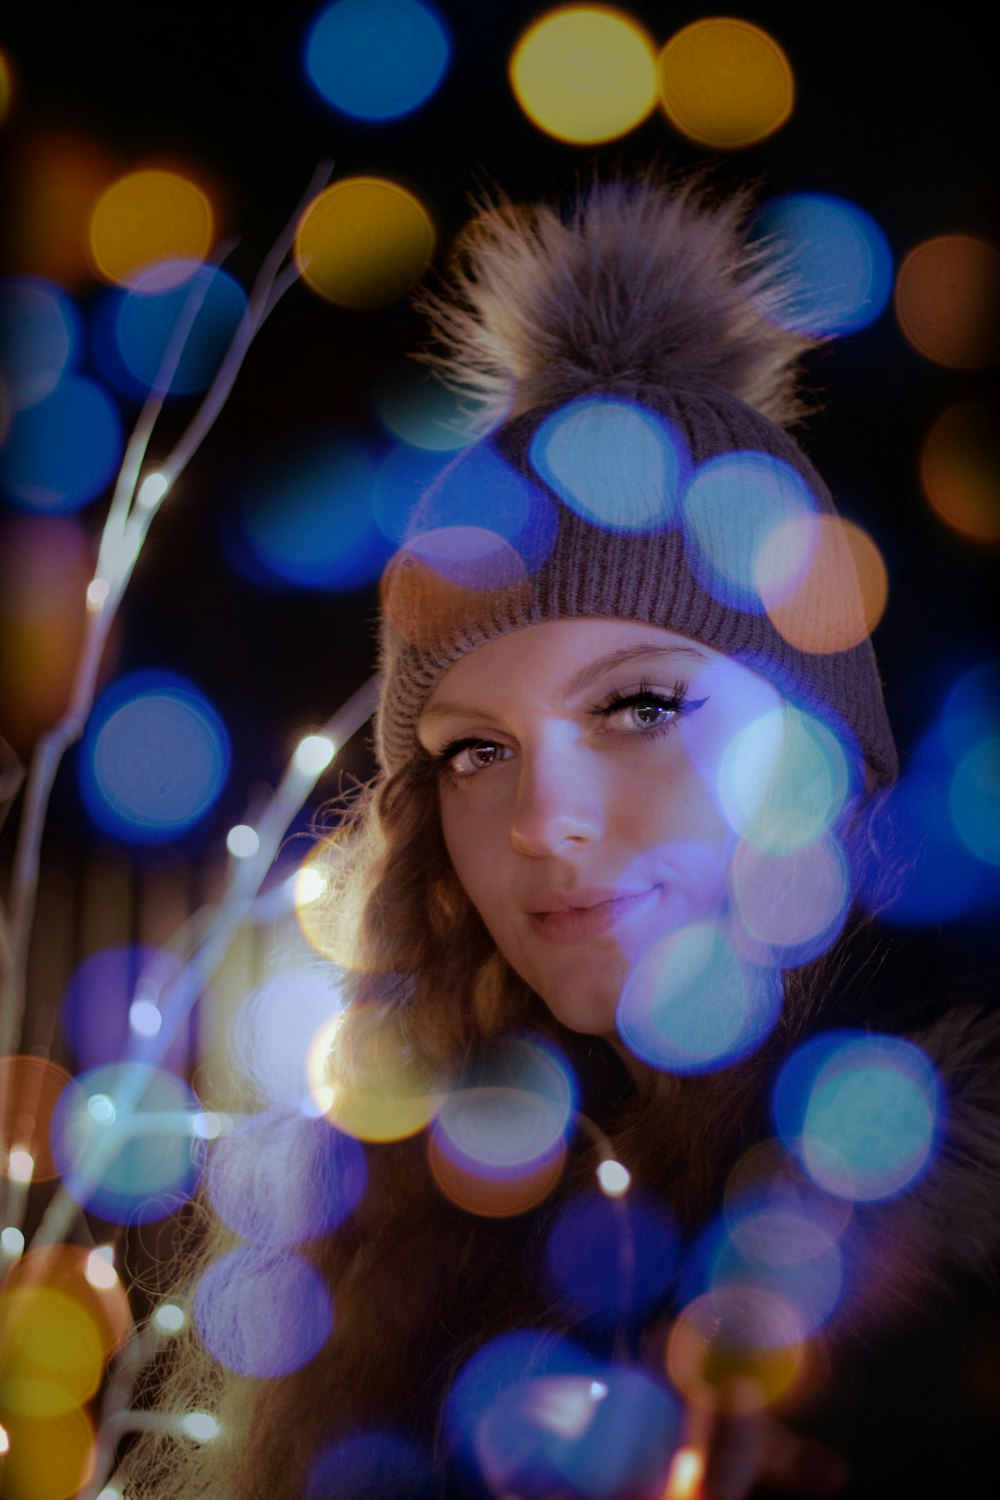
(595, 917)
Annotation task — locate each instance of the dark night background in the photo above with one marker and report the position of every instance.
(895, 111)
(892, 112)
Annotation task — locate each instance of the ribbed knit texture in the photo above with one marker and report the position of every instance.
(434, 613)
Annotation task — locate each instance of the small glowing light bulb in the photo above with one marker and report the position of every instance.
(98, 590)
(100, 1269)
(686, 1471)
(200, 1425)
(614, 1178)
(598, 1390)
(12, 1241)
(152, 490)
(102, 1109)
(169, 1318)
(242, 841)
(207, 1125)
(309, 886)
(144, 1018)
(313, 754)
(20, 1164)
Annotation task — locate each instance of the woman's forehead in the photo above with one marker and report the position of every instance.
(568, 655)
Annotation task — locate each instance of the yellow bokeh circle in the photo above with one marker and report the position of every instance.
(725, 83)
(49, 1458)
(388, 1096)
(364, 242)
(53, 1351)
(147, 217)
(585, 73)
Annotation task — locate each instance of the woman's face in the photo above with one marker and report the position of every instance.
(579, 765)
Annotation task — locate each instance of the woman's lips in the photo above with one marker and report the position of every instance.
(577, 924)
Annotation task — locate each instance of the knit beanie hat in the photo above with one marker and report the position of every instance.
(633, 362)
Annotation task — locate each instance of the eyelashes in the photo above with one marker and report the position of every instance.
(471, 754)
(674, 705)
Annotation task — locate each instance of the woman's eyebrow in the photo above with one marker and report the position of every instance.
(577, 683)
(588, 674)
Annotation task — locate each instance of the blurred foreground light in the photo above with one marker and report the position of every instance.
(12, 1241)
(372, 1462)
(422, 412)
(503, 1129)
(262, 1313)
(793, 902)
(615, 462)
(584, 73)
(98, 590)
(147, 217)
(121, 1136)
(395, 1097)
(209, 1124)
(364, 242)
(6, 93)
(838, 262)
(30, 1088)
(254, 1193)
(242, 841)
(39, 334)
(53, 1349)
(152, 490)
(20, 1165)
(783, 780)
(154, 759)
(377, 59)
(48, 1457)
(277, 1027)
(111, 990)
(614, 1178)
(308, 520)
(4, 1440)
(63, 450)
(860, 1111)
(686, 1472)
(743, 1340)
(55, 178)
(100, 1270)
(145, 1018)
(610, 1261)
(690, 1006)
(725, 83)
(823, 582)
(974, 800)
(947, 300)
(310, 885)
(142, 320)
(960, 469)
(732, 507)
(200, 1425)
(110, 1492)
(313, 754)
(169, 1318)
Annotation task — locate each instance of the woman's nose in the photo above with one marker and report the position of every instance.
(558, 806)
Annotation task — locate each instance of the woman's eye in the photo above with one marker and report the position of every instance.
(637, 714)
(475, 755)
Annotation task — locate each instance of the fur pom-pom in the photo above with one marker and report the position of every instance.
(643, 288)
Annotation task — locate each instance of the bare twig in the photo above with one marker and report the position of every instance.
(130, 515)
